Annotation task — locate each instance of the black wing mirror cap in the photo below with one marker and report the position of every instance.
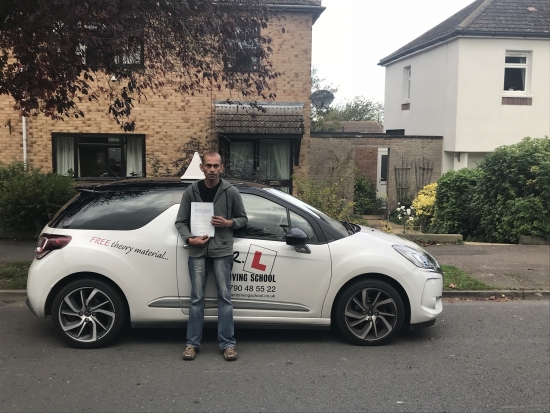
(295, 236)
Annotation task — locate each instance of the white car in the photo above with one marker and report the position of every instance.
(112, 255)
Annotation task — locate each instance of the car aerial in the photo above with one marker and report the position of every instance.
(112, 256)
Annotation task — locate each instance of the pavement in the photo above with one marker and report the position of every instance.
(516, 271)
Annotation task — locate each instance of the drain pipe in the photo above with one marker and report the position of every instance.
(25, 140)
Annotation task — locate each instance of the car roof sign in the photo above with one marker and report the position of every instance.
(193, 171)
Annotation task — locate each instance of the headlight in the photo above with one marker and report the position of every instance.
(420, 259)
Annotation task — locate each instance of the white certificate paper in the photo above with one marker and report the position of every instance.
(201, 215)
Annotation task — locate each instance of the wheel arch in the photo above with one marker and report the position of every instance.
(379, 277)
(78, 276)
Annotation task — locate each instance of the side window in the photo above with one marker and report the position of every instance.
(296, 221)
(115, 210)
(266, 219)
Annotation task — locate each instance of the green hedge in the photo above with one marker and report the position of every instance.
(453, 203)
(29, 198)
(512, 196)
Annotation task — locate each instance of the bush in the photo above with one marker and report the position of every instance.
(424, 205)
(453, 212)
(29, 198)
(513, 193)
(325, 197)
(365, 199)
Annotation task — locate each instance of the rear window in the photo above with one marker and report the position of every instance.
(116, 210)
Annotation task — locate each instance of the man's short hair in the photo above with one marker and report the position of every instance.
(211, 152)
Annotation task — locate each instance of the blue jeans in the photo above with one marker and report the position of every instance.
(198, 271)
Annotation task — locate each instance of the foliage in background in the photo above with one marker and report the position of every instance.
(454, 213)
(325, 197)
(404, 216)
(53, 54)
(512, 196)
(365, 197)
(327, 118)
(29, 198)
(424, 205)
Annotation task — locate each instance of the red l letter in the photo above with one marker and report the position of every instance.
(256, 261)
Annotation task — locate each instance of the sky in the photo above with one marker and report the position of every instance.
(352, 36)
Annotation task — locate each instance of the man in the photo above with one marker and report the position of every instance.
(215, 252)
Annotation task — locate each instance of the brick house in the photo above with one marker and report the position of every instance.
(480, 79)
(95, 147)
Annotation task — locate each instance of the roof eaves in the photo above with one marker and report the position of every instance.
(315, 10)
(461, 34)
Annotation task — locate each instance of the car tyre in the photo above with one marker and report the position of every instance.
(88, 313)
(369, 313)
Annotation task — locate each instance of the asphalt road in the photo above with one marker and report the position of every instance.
(481, 356)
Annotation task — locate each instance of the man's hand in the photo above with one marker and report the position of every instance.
(218, 221)
(199, 241)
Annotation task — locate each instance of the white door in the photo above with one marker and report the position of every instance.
(382, 172)
(269, 277)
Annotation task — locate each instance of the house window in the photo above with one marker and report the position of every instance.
(406, 84)
(244, 54)
(98, 156)
(516, 65)
(268, 161)
(131, 54)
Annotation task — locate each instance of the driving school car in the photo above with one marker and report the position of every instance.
(112, 255)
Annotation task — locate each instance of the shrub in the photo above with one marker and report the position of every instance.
(364, 197)
(325, 197)
(453, 212)
(513, 193)
(29, 198)
(424, 205)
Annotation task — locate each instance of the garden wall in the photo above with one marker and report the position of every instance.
(414, 161)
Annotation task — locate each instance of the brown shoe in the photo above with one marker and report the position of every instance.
(190, 353)
(230, 354)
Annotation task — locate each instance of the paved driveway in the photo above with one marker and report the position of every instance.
(502, 266)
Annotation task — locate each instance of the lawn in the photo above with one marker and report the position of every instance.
(13, 275)
(457, 280)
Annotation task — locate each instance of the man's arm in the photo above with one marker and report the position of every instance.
(240, 219)
(183, 220)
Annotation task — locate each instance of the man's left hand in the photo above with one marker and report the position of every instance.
(218, 221)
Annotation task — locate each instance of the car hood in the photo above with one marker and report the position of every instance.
(376, 234)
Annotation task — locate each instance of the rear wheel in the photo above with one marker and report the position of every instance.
(88, 313)
(370, 313)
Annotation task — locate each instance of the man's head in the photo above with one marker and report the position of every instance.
(212, 167)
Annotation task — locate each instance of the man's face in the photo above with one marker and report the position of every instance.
(212, 167)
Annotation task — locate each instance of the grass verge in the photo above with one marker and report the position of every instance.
(457, 280)
(13, 275)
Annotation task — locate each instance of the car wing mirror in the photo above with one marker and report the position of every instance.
(298, 239)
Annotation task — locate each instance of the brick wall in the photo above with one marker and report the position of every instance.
(170, 120)
(336, 154)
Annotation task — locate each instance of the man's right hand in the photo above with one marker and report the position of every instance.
(198, 241)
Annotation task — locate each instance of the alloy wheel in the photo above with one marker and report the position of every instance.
(371, 314)
(86, 314)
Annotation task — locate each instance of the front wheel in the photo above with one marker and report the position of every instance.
(370, 313)
(88, 313)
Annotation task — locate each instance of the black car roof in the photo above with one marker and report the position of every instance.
(155, 182)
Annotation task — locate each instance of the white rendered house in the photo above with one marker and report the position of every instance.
(480, 79)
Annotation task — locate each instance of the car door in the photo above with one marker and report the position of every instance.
(269, 277)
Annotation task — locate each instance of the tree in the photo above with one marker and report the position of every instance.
(54, 53)
(357, 109)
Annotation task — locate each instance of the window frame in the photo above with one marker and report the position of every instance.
(406, 92)
(123, 141)
(82, 51)
(262, 193)
(527, 66)
(253, 65)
